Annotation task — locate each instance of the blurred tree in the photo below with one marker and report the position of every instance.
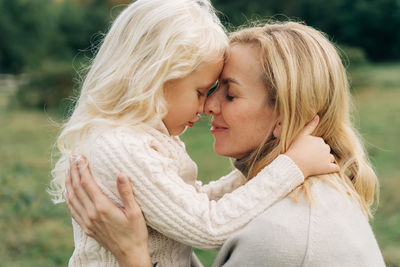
(372, 25)
(41, 30)
(49, 86)
(24, 30)
(78, 23)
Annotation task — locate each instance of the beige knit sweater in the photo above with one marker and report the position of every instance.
(180, 212)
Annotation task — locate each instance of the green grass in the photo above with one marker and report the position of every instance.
(34, 232)
(378, 117)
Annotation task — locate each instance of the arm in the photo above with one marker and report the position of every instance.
(87, 203)
(175, 208)
(209, 222)
(226, 184)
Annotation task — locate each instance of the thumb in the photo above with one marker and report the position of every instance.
(334, 168)
(125, 191)
(310, 127)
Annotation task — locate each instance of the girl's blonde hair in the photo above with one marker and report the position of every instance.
(150, 42)
(304, 76)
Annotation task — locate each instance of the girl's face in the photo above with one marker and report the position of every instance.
(242, 117)
(186, 96)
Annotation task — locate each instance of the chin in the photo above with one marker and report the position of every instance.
(177, 132)
(225, 152)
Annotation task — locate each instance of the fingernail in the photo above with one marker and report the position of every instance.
(75, 159)
(79, 161)
(122, 179)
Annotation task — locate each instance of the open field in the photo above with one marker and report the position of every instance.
(34, 232)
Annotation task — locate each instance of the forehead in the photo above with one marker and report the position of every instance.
(243, 59)
(242, 63)
(208, 72)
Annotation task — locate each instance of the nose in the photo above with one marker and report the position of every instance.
(212, 105)
(201, 106)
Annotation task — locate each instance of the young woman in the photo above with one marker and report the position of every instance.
(147, 83)
(289, 71)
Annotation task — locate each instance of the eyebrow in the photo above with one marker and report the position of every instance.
(229, 80)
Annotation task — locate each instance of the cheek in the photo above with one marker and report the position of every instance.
(255, 126)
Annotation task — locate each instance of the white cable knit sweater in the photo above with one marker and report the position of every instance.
(180, 212)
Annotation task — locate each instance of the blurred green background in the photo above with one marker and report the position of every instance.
(46, 44)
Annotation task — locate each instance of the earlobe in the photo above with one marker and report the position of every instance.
(277, 129)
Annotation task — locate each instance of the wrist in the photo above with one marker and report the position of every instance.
(140, 257)
(297, 162)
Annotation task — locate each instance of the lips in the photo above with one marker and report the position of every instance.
(216, 128)
(190, 124)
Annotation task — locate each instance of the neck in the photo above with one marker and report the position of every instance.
(242, 164)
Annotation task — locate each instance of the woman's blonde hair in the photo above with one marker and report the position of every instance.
(150, 42)
(304, 76)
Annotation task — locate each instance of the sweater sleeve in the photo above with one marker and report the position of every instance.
(177, 209)
(226, 184)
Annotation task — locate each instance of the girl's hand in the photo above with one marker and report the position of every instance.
(310, 153)
(121, 230)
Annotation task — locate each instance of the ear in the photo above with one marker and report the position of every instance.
(278, 128)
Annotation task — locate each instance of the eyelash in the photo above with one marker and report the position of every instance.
(229, 97)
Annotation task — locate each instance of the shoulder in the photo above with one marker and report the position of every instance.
(330, 232)
(139, 134)
(339, 230)
(128, 146)
(137, 139)
(278, 237)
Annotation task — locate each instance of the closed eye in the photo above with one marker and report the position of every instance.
(229, 97)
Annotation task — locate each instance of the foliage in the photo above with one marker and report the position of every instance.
(48, 86)
(370, 24)
(33, 32)
(80, 26)
(352, 56)
(25, 28)
(44, 30)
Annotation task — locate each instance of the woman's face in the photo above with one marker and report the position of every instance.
(241, 115)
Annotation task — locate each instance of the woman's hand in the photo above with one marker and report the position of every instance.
(121, 230)
(311, 153)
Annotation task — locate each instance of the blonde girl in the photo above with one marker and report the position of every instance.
(147, 83)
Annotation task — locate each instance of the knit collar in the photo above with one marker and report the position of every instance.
(162, 128)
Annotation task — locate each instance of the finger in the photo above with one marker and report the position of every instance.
(74, 173)
(72, 201)
(310, 127)
(334, 167)
(77, 187)
(79, 220)
(88, 183)
(126, 193)
(75, 215)
(98, 206)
